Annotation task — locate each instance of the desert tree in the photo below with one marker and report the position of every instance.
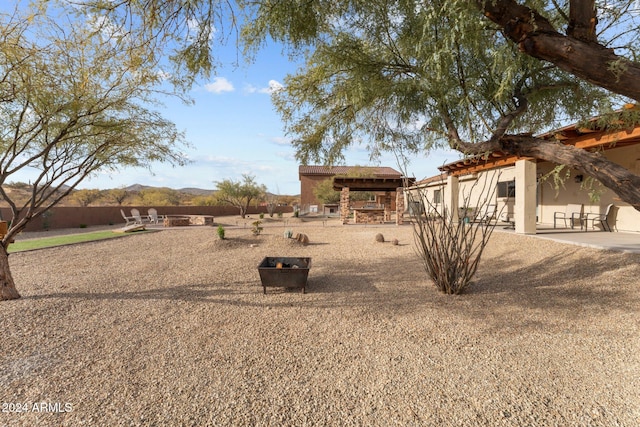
(117, 195)
(159, 197)
(87, 196)
(75, 99)
(475, 76)
(239, 193)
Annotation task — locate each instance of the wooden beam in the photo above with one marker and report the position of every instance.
(602, 139)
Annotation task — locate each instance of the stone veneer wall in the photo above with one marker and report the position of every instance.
(344, 205)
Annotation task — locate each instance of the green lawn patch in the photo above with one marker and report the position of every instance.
(69, 239)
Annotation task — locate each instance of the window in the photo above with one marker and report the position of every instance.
(507, 189)
(437, 196)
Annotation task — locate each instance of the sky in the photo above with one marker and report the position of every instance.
(234, 129)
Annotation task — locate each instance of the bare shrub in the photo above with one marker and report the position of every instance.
(450, 246)
(379, 238)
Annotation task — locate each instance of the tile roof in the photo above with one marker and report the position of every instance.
(378, 171)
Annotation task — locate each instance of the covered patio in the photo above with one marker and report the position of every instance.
(380, 212)
(529, 209)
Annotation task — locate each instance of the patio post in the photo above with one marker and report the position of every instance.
(344, 205)
(525, 206)
(451, 198)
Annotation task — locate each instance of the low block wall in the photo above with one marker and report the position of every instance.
(76, 217)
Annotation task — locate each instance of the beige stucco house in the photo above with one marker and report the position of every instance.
(523, 194)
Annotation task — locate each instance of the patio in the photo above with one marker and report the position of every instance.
(615, 241)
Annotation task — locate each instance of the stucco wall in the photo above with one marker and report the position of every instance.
(553, 198)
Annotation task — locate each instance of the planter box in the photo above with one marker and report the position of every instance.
(285, 272)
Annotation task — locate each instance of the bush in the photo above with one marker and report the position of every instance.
(261, 215)
(221, 232)
(257, 229)
(379, 238)
(450, 249)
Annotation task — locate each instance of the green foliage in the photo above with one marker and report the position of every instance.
(412, 76)
(239, 193)
(256, 228)
(220, 232)
(86, 197)
(117, 195)
(160, 197)
(325, 193)
(204, 201)
(86, 92)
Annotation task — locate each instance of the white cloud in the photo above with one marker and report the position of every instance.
(281, 140)
(273, 86)
(219, 85)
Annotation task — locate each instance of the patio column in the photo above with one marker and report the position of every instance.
(451, 198)
(387, 206)
(399, 206)
(344, 205)
(525, 206)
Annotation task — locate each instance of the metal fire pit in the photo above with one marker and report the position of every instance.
(285, 272)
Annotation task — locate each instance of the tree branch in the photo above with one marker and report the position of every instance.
(587, 60)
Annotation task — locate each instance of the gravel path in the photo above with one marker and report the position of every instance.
(172, 328)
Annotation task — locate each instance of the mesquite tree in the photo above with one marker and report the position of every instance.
(476, 76)
(73, 101)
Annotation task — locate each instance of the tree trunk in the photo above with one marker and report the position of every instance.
(7, 286)
(584, 58)
(613, 176)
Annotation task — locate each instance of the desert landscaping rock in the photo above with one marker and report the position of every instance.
(172, 328)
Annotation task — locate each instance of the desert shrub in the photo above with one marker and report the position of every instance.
(220, 232)
(256, 228)
(395, 242)
(451, 249)
(288, 234)
(379, 238)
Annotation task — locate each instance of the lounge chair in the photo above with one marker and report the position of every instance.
(573, 213)
(153, 216)
(135, 213)
(601, 218)
(128, 219)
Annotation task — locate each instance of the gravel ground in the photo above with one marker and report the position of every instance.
(172, 329)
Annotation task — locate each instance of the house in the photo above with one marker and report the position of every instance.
(311, 176)
(523, 194)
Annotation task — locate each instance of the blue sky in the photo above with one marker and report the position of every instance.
(234, 130)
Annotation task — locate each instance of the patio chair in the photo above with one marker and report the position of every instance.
(602, 218)
(573, 213)
(154, 218)
(128, 219)
(487, 214)
(135, 213)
